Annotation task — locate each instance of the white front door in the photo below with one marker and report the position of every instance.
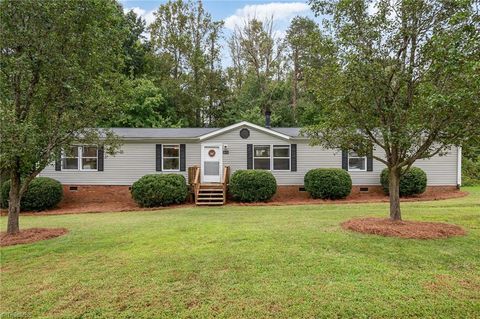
(211, 163)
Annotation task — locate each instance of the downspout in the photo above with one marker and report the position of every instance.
(459, 166)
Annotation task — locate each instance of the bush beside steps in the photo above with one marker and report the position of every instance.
(160, 190)
(252, 185)
(42, 193)
(328, 183)
(412, 182)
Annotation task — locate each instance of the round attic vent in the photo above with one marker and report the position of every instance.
(244, 133)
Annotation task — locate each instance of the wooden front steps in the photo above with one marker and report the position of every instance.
(210, 194)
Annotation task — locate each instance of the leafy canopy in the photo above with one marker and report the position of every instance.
(406, 77)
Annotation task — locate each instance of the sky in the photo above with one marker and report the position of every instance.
(234, 13)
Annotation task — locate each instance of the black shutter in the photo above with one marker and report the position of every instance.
(100, 155)
(249, 156)
(370, 162)
(182, 158)
(58, 162)
(293, 157)
(345, 160)
(158, 157)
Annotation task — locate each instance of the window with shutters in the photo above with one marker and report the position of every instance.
(171, 157)
(271, 157)
(80, 157)
(356, 163)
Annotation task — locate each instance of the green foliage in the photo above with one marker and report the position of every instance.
(402, 78)
(160, 190)
(143, 106)
(252, 185)
(328, 183)
(61, 65)
(470, 172)
(412, 182)
(42, 193)
(185, 47)
(135, 45)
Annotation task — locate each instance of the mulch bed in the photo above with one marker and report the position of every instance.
(31, 235)
(403, 229)
(107, 206)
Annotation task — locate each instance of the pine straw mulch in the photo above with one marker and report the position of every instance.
(403, 229)
(30, 235)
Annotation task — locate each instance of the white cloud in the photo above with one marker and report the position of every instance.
(147, 15)
(277, 10)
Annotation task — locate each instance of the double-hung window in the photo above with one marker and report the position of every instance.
(356, 163)
(171, 157)
(268, 157)
(281, 157)
(70, 158)
(83, 157)
(261, 157)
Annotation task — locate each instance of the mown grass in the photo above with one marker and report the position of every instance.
(278, 262)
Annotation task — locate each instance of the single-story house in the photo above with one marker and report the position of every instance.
(87, 171)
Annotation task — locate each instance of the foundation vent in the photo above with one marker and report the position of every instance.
(301, 189)
(73, 188)
(363, 189)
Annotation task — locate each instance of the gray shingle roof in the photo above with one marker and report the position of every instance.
(174, 133)
(290, 131)
(162, 132)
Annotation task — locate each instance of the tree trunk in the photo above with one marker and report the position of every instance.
(394, 191)
(295, 84)
(13, 226)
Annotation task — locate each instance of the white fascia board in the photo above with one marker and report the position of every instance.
(240, 124)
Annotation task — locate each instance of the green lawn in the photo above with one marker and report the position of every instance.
(282, 262)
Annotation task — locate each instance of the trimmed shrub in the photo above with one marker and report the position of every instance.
(42, 193)
(328, 183)
(160, 190)
(252, 185)
(412, 182)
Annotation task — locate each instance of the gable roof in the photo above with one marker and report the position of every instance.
(200, 133)
(241, 124)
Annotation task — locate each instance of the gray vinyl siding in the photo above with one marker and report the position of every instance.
(132, 162)
(138, 158)
(440, 170)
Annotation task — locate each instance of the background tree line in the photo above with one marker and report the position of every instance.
(175, 78)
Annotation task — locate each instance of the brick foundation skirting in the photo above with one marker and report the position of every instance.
(81, 194)
(97, 194)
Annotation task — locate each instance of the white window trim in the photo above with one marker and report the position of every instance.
(272, 157)
(356, 169)
(164, 157)
(80, 159)
(282, 157)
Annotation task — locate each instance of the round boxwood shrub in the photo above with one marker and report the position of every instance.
(252, 185)
(412, 182)
(328, 183)
(160, 190)
(42, 193)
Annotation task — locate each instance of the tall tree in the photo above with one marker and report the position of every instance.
(183, 35)
(408, 81)
(302, 36)
(257, 52)
(55, 79)
(135, 46)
